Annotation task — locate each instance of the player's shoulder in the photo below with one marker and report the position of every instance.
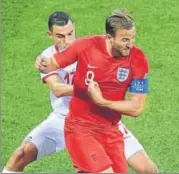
(95, 38)
(136, 51)
(138, 56)
(90, 39)
(83, 43)
(48, 51)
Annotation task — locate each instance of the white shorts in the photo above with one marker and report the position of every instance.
(131, 144)
(48, 136)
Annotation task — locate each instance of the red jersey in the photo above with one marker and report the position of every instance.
(114, 76)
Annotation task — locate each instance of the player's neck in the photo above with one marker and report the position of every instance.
(108, 47)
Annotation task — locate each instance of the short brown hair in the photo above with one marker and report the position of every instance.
(119, 18)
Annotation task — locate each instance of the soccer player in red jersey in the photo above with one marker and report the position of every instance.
(108, 66)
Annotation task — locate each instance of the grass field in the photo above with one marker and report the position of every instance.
(25, 100)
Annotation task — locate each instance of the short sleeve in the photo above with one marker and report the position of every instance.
(48, 53)
(71, 53)
(140, 70)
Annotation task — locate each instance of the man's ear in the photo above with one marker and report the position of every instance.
(109, 38)
(49, 34)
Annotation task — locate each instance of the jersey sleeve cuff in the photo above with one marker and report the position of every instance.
(48, 75)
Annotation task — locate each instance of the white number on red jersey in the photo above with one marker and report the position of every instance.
(89, 77)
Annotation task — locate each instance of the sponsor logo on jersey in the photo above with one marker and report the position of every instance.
(122, 74)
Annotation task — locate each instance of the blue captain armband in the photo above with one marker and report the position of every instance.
(139, 86)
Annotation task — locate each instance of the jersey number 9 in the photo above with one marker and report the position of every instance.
(89, 77)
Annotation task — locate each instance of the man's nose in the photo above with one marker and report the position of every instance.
(129, 44)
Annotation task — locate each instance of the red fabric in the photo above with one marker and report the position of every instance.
(95, 149)
(91, 146)
(92, 57)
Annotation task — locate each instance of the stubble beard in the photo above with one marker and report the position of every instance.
(116, 53)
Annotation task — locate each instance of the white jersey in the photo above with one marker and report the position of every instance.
(59, 104)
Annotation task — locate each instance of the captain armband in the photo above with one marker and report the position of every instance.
(139, 86)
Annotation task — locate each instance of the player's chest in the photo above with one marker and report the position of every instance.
(100, 68)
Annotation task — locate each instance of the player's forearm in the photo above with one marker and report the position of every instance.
(127, 107)
(62, 90)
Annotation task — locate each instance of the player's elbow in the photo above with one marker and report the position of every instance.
(137, 111)
(57, 89)
(54, 88)
(137, 108)
(62, 92)
(58, 93)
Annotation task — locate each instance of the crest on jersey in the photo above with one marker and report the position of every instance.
(122, 74)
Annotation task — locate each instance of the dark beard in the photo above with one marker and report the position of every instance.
(116, 53)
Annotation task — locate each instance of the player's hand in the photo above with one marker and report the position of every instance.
(95, 93)
(42, 64)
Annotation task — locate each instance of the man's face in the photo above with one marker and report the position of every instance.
(122, 43)
(63, 36)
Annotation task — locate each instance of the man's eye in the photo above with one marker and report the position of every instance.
(124, 40)
(60, 36)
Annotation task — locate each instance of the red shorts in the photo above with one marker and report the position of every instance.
(95, 148)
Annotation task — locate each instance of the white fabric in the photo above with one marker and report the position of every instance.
(60, 104)
(7, 171)
(131, 144)
(48, 136)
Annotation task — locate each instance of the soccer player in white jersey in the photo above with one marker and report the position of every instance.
(48, 137)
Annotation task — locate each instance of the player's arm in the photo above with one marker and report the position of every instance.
(61, 59)
(138, 89)
(46, 64)
(56, 85)
(131, 107)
